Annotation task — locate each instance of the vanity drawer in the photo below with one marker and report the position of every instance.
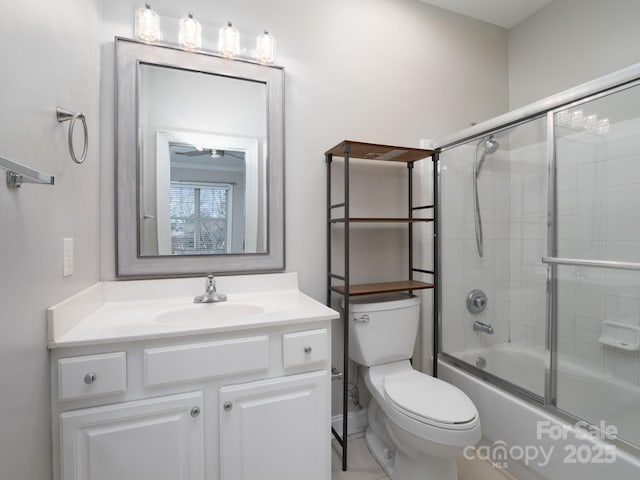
(309, 348)
(92, 375)
(205, 360)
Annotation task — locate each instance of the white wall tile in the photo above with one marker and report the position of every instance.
(621, 365)
(589, 304)
(623, 141)
(589, 355)
(623, 171)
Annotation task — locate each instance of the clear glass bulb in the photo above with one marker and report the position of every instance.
(591, 122)
(190, 35)
(147, 24)
(265, 48)
(577, 120)
(563, 118)
(603, 125)
(229, 41)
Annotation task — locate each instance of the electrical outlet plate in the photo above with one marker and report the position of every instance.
(67, 257)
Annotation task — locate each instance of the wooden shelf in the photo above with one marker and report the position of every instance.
(385, 153)
(381, 220)
(384, 287)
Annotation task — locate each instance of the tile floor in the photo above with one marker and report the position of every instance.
(362, 466)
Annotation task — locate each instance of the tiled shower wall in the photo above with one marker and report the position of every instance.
(462, 269)
(528, 235)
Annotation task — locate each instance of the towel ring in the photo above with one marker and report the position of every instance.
(63, 115)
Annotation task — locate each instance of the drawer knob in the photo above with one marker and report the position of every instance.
(195, 411)
(227, 406)
(89, 378)
(307, 350)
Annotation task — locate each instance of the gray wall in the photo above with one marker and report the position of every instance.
(569, 42)
(50, 56)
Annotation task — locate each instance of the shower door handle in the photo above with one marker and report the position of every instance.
(579, 262)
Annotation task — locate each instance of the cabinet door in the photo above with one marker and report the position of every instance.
(159, 438)
(276, 429)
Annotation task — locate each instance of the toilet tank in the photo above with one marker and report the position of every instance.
(382, 329)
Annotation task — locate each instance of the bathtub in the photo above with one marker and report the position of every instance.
(533, 444)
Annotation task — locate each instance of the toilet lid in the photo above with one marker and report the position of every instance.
(427, 398)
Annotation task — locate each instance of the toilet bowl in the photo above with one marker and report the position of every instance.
(417, 424)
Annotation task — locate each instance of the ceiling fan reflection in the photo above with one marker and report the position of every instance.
(212, 152)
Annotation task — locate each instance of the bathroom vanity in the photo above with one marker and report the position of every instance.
(146, 384)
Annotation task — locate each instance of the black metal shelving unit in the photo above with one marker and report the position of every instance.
(348, 150)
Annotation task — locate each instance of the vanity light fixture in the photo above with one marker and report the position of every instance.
(229, 41)
(147, 24)
(582, 122)
(265, 48)
(190, 35)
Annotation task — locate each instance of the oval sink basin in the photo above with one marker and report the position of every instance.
(205, 313)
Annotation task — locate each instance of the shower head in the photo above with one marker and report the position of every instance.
(491, 145)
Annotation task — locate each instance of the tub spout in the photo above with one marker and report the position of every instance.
(479, 326)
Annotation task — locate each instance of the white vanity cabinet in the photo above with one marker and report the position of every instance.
(275, 429)
(244, 405)
(160, 438)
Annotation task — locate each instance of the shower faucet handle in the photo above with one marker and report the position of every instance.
(477, 301)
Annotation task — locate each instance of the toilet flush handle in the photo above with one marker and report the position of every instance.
(363, 319)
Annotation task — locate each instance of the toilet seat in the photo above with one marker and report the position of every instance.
(430, 400)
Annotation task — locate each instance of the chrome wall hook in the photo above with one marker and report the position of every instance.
(64, 115)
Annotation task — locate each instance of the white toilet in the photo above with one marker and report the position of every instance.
(417, 424)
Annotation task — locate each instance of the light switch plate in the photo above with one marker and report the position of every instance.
(67, 257)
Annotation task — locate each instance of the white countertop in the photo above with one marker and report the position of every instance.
(126, 310)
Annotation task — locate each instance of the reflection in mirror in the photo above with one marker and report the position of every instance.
(206, 202)
(201, 193)
(200, 163)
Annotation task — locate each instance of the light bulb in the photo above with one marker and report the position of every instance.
(190, 35)
(603, 126)
(563, 118)
(591, 122)
(265, 48)
(577, 120)
(229, 41)
(147, 24)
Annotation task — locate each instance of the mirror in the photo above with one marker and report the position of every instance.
(200, 164)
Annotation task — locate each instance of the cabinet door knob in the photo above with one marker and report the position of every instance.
(227, 406)
(307, 350)
(89, 378)
(195, 411)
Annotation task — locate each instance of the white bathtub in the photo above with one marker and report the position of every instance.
(561, 450)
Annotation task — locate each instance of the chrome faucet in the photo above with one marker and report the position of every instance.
(479, 326)
(210, 294)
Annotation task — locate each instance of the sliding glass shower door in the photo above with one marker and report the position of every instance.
(596, 265)
(493, 217)
(539, 234)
